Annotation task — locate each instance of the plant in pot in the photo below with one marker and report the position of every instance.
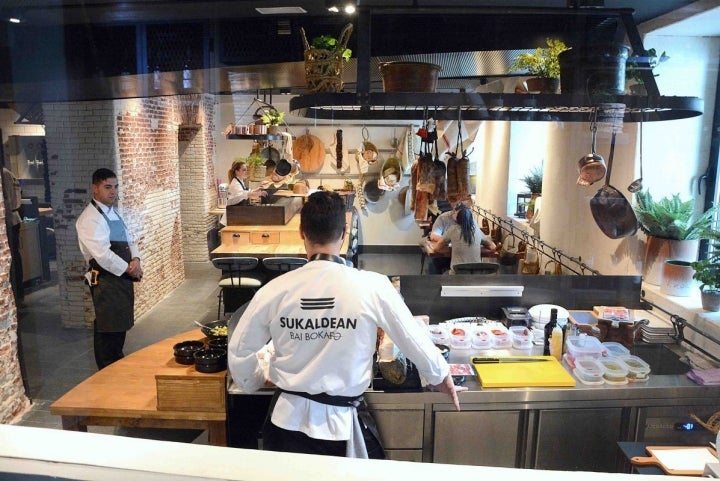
(636, 63)
(533, 181)
(543, 64)
(673, 231)
(272, 118)
(256, 166)
(707, 271)
(324, 59)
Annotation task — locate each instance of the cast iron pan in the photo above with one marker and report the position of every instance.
(611, 210)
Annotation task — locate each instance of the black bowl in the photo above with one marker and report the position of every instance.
(184, 351)
(210, 329)
(210, 360)
(218, 343)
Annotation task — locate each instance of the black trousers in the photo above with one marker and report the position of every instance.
(108, 347)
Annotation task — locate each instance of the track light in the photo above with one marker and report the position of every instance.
(345, 6)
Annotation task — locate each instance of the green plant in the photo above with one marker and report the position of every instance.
(671, 218)
(707, 271)
(533, 180)
(271, 116)
(326, 42)
(253, 160)
(543, 62)
(649, 57)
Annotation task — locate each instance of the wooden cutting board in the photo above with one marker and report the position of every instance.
(678, 460)
(309, 151)
(549, 373)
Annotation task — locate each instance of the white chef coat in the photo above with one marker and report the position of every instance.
(323, 320)
(94, 238)
(237, 192)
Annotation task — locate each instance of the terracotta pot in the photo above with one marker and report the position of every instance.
(659, 250)
(710, 300)
(677, 278)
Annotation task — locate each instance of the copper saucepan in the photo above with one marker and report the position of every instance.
(591, 167)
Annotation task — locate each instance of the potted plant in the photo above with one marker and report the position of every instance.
(272, 118)
(324, 59)
(673, 230)
(533, 181)
(256, 166)
(639, 61)
(543, 63)
(707, 271)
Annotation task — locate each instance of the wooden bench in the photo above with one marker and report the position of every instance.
(148, 389)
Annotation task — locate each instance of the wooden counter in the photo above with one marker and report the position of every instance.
(126, 394)
(269, 240)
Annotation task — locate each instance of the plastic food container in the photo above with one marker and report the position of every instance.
(438, 334)
(614, 370)
(638, 370)
(521, 337)
(615, 349)
(500, 337)
(584, 346)
(481, 339)
(460, 337)
(589, 371)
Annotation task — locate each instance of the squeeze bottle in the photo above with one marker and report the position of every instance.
(556, 342)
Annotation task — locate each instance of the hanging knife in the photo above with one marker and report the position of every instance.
(498, 360)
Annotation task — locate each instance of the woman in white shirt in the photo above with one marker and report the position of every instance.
(238, 192)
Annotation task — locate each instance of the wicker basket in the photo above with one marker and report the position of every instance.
(256, 172)
(324, 68)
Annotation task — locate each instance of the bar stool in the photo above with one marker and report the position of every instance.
(279, 265)
(236, 275)
(482, 268)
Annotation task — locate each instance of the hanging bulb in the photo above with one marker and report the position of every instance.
(187, 76)
(156, 77)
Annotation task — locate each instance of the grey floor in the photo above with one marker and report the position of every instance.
(56, 359)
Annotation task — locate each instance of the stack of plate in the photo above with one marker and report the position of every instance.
(657, 335)
(540, 315)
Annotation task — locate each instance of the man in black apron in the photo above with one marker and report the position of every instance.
(114, 264)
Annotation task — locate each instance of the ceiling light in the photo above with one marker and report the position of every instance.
(14, 20)
(347, 6)
(280, 10)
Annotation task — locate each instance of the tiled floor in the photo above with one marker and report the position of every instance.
(57, 359)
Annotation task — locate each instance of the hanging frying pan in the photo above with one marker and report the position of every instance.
(611, 210)
(591, 167)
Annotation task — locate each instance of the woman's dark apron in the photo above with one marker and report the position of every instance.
(114, 296)
(242, 184)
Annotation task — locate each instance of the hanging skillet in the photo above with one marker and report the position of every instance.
(611, 210)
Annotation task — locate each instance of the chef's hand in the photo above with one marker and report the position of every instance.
(449, 388)
(259, 193)
(134, 269)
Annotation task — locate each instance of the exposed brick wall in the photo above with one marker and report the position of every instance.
(13, 400)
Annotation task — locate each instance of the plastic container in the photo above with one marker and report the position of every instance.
(584, 346)
(521, 337)
(589, 371)
(556, 342)
(614, 370)
(461, 337)
(638, 370)
(439, 334)
(500, 337)
(615, 349)
(481, 339)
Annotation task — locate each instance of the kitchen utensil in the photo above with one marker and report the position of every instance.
(496, 360)
(678, 460)
(524, 374)
(591, 167)
(636, 185)
(309, 151)
(611, 210)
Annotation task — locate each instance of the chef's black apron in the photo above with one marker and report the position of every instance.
(113, 296)
(242, 184)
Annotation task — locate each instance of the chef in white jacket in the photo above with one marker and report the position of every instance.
(323, 320)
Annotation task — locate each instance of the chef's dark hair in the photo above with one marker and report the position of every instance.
(467, 223)
(103, 174)
(322, 217)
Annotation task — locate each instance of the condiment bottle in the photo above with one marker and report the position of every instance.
(549, 329)
(556, 342)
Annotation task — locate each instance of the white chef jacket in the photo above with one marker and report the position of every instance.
(236, 193)
(323, 320)
(94, 238)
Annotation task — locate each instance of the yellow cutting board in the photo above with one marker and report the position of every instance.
(548, 373)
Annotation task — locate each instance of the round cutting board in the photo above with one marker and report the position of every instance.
(309, 151)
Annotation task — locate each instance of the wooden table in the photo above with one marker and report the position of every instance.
(126, 394)
(266, 240)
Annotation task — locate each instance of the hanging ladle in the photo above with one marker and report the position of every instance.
(591, 167)
(636, 185)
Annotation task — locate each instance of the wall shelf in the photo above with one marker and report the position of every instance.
(253, 137)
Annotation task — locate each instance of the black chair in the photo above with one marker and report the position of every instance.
(279, 265)
(236, 274)
(482, 268)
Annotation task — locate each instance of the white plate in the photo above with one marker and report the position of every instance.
(542, 312)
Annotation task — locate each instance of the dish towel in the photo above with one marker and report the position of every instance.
(705, 377)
